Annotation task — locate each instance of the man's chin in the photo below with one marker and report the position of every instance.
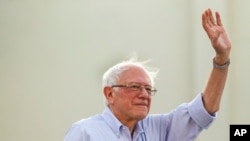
(141, 114)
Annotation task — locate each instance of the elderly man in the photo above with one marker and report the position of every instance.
(128, 87)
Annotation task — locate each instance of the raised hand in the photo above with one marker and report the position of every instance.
(217, 35)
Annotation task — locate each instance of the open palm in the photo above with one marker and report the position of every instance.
(216, 33)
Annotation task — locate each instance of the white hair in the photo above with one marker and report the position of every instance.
(112, 75)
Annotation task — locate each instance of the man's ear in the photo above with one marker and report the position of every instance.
(108, 93)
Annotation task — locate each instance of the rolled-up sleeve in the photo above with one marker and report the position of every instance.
(199, 114)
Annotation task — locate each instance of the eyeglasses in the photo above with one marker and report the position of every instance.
(135, 87)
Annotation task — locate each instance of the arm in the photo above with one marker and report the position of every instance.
(221, 43)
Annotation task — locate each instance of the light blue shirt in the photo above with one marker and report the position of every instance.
(182, 124)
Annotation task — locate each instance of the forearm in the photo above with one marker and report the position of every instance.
(214, 89)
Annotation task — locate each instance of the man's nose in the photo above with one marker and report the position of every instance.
(143, 92)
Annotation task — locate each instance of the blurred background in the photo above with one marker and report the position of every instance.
(53, 54)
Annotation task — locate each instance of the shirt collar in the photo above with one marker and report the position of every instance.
(116, 125)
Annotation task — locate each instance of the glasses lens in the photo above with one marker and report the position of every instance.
(138, 87)
(134, 87)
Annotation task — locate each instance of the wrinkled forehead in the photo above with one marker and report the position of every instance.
(134, 74)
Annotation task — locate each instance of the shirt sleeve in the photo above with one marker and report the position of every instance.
(188, 120)
(199, 114)
(182, 124)
(73, 134)
(76, 133)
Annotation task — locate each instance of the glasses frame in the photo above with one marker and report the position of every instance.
(137, 88)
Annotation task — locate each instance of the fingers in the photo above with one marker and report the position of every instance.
(208, 18)
(218, 19)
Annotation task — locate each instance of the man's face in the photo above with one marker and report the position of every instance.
(130, 104)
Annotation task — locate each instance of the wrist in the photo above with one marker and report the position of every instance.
(221, 66)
